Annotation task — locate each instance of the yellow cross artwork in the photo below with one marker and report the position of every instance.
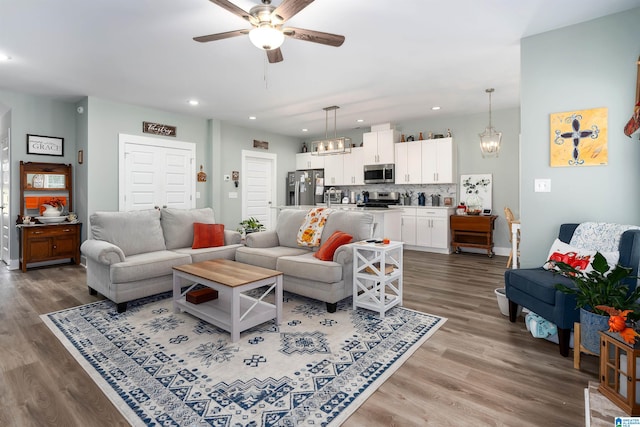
(578, 138)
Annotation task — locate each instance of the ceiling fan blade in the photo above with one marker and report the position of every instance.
(274, 55)
(227, 5)
(288, 8)
(314, 36)
(220, 36)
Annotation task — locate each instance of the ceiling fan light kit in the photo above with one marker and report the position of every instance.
(490, 139)
(267, 32)
(335, 145)
(266, 37)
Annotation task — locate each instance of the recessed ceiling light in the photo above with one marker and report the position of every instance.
(360, 120)
(252, 117)
(4, 57)
(305, 130)
(435, 108)
(194, 102)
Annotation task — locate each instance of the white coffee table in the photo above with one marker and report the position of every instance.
(232, 311)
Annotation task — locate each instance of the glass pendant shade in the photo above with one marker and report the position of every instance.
(490, 139)
(266, 37)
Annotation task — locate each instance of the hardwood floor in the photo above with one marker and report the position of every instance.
(478, 369)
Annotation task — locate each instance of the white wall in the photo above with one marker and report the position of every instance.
(580, 67)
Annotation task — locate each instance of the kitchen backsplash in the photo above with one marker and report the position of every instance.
(444, 190)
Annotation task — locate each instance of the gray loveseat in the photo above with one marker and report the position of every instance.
(328, 281)
(131, 255)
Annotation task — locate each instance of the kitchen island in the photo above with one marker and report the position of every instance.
(387, 222)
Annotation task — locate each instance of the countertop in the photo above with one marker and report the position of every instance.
(345, 207)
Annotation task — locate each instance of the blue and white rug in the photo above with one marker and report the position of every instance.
(166, 369)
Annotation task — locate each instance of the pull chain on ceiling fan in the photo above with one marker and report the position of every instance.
(267, 32)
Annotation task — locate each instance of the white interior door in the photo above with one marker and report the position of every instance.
(259, 189)
(5, 182)
(156, 173)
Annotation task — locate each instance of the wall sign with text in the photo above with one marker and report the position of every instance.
(45, 145)
(158, 129)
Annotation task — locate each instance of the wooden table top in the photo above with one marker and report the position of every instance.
(228, 273)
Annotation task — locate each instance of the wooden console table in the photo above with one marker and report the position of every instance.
(472, 231)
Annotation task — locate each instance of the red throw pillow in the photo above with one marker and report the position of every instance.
(329, 247)
(207, 235)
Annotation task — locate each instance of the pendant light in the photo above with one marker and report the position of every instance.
(490, 139)
(335, 145)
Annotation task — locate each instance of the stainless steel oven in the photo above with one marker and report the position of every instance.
(379, 174)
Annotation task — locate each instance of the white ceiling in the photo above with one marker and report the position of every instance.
(400, 57)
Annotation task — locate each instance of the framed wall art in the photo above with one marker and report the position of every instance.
(578, 138)
(45, 145)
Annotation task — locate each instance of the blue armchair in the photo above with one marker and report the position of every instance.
(534, 288)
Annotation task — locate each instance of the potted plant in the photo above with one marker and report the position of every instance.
(250, 225)
(601, 286)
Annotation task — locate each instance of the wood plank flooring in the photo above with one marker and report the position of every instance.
(477, 370)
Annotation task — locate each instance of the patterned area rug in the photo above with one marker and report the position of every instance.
(166, 369)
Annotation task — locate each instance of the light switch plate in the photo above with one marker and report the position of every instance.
(542, 185)
(233, 195)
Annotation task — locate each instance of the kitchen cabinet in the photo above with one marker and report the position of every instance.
(439, 161)
(309, 161)
(379, 146)
(427, 229)
(334, 169)
(353, 167)
(408, 159)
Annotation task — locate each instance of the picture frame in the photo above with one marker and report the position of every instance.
(45, 145)
(448, 201)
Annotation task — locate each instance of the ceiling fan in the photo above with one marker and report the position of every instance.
(267, 32)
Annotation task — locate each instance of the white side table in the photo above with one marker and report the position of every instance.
(377, 276)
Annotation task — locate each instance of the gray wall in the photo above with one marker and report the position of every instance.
(504, 168)
(234, 139)
(584, 66)
(36, 115)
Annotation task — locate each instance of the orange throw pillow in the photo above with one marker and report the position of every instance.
(207, 235)
(329, 247)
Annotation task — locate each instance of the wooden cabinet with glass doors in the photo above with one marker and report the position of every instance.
(47, 238)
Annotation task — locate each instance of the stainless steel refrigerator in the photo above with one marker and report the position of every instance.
(305, 187)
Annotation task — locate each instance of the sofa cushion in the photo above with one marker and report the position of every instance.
(134, 232)
(311, 268)
(357, 223)
(582, 256)
(329, 246)
(207, 235)
(287, 226)
(537, 282)
(266, 257)
(147, 265)
(206, 254)
(177, 225)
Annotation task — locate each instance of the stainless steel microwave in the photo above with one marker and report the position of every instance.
(379, 174)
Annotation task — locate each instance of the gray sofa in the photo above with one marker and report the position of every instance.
(131, 255)
(328, 281)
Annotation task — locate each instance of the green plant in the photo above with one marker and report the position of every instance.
(250, 225)
(601, 286)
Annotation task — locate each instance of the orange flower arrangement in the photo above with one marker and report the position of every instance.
(618, 323)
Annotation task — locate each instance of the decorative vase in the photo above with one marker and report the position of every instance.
(474, 204)
(50, 210)
(590, 325)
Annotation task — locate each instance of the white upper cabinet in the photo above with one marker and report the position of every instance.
(353, 167)
(408, 161)
(439, 161)
(309, 161)
(379, 146)
(334, 169)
